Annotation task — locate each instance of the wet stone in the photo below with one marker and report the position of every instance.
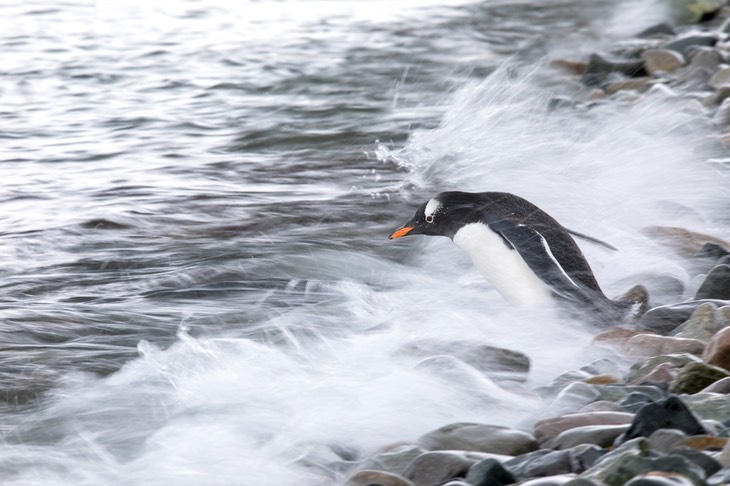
(625, 467)
(489, 472)
(694, 11)
(600, 435)
(660, 479)
(545, 463)
(642, 368)
(550, 428)
(598, 64)
(664, 373)
(640, 84)
(666, 318)
(701, 325)
(720, 477)
(368, 477)
(596, 368)
(662, 60)
(660, 29)
(664, 440)
(720, 78)
(686, 42)
(654, 345)
(716, 284)
(696, 376)
(714, 251)
(710, 406)
(479, 437)
(397, 460)
(717, 352)
(724, 457)
(722, 115)
(572, 398)
(720, 386)
(707, 463)
(582, 482)
(435, 468)
(705, 57)
(495, 362)
(634, 401)
(557, 480)
(600, 406)
(617, 393)
(670, 413)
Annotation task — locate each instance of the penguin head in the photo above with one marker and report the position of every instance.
(437, 217)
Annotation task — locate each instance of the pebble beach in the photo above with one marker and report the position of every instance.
(656, 409)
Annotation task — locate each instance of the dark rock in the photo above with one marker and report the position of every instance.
(369, 477)
(666, 318)
(489, 472)
(663, 29)
(669, 413)
(713, 250)
(479, 437)
(435, 468)
(716, 284)
(627, 67)
(707, 463)
(696, 376)
(685, 43)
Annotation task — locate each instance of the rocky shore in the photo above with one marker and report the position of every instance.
(665, 418)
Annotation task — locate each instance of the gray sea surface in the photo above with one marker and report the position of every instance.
(196, 282)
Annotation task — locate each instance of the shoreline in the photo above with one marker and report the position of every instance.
(666, 418)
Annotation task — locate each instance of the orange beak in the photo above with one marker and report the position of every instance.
(399, 233)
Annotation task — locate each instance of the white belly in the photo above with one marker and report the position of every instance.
(503, 267)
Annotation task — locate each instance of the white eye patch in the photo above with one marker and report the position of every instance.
(431, 207)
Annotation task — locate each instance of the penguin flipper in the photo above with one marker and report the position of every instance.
(534, 249)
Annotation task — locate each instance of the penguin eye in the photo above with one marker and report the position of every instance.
(429, 218)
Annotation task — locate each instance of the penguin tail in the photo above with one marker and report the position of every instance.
(627, 308)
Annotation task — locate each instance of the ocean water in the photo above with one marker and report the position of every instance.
(197, 286)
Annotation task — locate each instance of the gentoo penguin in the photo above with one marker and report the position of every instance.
(522, 251)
